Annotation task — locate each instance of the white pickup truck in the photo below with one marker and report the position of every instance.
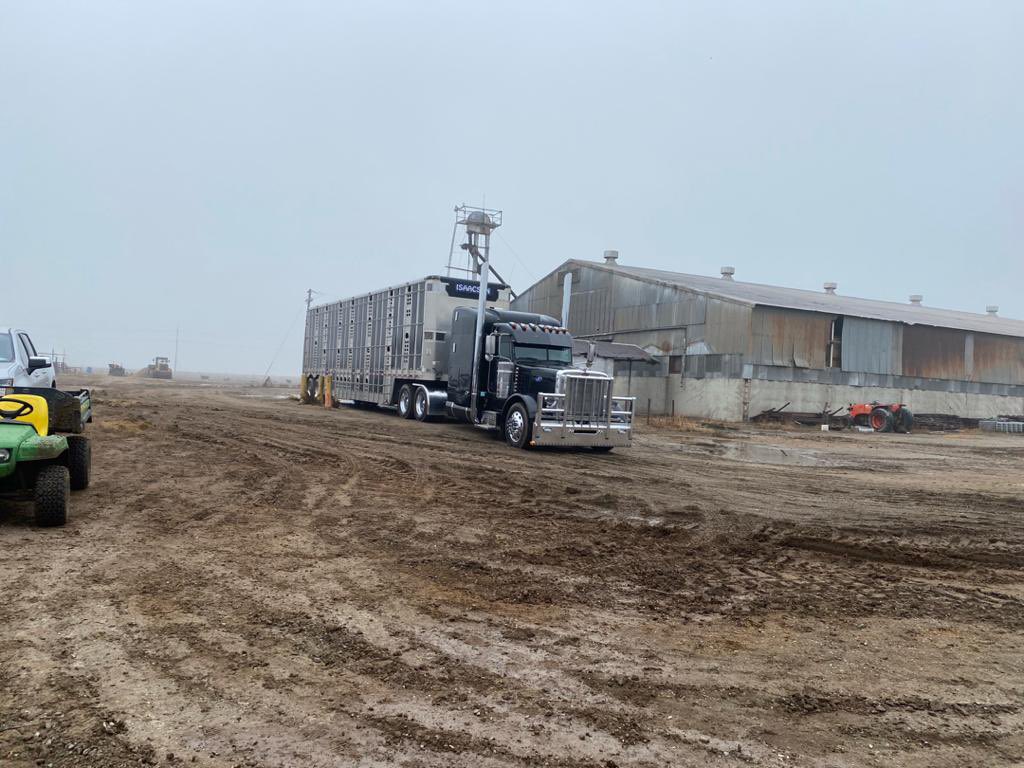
(20, 364)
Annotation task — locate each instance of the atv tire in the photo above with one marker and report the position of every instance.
(53, 488)
(79, 461)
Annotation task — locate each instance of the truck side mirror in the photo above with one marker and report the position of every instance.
(35, 363)
(490, 345)
(591, 353)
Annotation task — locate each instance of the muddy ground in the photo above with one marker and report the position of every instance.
(251, 582)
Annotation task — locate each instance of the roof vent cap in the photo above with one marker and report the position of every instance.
(992, 309)
(611, 257)
(728, 272)
(916, 299)
(830, 288)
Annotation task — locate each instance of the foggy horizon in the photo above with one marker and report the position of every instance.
(199, 166)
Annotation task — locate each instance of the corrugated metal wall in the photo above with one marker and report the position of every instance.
(543, 297)
(652, 316)
(671, 319)
(872, 346)
(934, 353)
(789, 337)
(727, 330)
(997, 359)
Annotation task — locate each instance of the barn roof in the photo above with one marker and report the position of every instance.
(613, 350)
(817, 301)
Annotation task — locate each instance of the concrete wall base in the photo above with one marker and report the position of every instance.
(736, 399)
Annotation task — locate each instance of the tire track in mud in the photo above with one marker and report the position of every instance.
(363, 665)
(516, 585)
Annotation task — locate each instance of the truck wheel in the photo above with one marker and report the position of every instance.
(53, 486)
(517, 426)
(405, 396)
(881, 420)
(79, 461)
(421, 405)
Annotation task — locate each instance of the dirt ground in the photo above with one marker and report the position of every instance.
(251, 582)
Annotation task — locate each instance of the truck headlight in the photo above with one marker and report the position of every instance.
(4, 455)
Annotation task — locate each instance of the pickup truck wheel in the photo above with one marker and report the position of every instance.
(53, 487)
(79, 461)
(405, 402)
(518, 427)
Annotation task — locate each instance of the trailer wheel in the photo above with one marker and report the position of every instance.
(405, 402)
(881, 420)
(53, 487)
(517, 426)
(421, 405)
(79, 461)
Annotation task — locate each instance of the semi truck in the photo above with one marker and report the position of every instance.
(436, 349)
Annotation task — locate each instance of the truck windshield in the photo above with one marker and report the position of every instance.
(6, 348)
(537, 354)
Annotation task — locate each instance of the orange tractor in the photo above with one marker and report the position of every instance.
(882, 417)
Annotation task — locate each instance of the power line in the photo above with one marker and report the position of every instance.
(512, 250)
(283, 342)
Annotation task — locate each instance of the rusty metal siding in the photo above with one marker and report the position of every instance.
(727, 327)
(825, 303)
(934, 353)
(789, 337)
(997, 359)
(872, 346)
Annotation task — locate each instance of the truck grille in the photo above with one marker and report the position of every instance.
(586, 398)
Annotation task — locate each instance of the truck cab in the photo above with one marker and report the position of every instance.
(527, 386)
(20, 364)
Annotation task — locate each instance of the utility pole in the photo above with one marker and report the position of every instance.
(309, 298)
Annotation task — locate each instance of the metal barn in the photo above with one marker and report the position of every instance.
(732, 349)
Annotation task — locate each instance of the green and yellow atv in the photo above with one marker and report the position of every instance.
(34, 460)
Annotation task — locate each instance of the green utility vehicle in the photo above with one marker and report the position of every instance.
(34, 459)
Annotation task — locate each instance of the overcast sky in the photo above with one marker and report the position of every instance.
(201, 164)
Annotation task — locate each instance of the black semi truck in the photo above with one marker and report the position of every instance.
(415, 348)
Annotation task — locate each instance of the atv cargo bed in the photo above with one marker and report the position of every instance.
(70, 411)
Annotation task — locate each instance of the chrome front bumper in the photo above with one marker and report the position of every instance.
(611, 428)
